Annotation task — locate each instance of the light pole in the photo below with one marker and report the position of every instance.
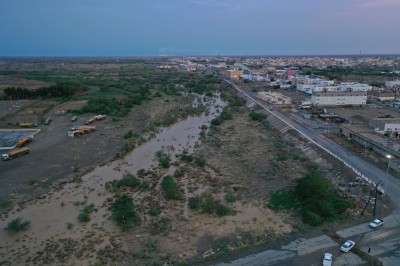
(387, 170)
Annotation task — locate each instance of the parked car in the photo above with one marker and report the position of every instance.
(347, 246)
(327, 259)
(376, 223)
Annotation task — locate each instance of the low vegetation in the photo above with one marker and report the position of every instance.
(17, 225)
(314, 198)
(170, 188)
(84, 215)
(124, 212)
(128, 180)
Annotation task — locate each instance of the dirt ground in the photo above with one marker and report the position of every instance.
(241, 159)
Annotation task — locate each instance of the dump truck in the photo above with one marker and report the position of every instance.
(13, 154)
(76, 131)
(100, 117)
(89, 121)
(74, 118)
(22, 142)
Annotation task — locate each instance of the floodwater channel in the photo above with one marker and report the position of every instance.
(51, 213)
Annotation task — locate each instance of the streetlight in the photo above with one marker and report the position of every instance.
(387, 171)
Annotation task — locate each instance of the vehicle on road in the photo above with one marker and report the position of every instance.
(22, 142)
(327, 261)
(347, 246)
(376, 223)
(13, 154)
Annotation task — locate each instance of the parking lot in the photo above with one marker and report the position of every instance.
(9, 137)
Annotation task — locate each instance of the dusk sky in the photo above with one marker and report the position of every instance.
(198, 27)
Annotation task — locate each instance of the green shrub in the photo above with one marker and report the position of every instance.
(257, 116)
(230, 197)
(282, 199)
(83, 217)
(124, 213)
(154, 211)
(17, 225)
(208, 205)
(128, 180)
(163, 159)
(170, 188)
(194, 203)
(223, 210)
(200, 161)
(4, 203)
(128, 135)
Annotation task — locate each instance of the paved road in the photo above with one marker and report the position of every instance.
(384, 243)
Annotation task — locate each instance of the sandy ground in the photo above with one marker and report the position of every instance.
(239, 159)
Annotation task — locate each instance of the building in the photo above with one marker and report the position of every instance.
(338, 98)
(388, 126)
(392, 83)
(354, 86)
(274, 98)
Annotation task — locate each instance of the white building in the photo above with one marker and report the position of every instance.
(392, 83)
(337, 98)
(355, 86)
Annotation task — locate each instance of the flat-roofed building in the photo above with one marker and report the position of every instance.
(338, 98)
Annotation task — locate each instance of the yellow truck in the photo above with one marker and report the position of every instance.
(13, 154)
(26, 125)
(100, 117)
(89, 121)
(22, 142)
(76, 131)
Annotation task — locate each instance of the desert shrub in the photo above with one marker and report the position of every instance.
(186, 158)
(83, 217)
(128, 180)
(194, 202)
(124, 212)
(282, 156)
(230, 197)
(312, 166)
(161, 226)
(257, 116)
(282, 199)
(141, 172)
(223, 210)
(4, 203)
(208, 205)
(128, 135)
(200, 161)
(154, 211)
(170, 188)
(163, 159)
(17, 225)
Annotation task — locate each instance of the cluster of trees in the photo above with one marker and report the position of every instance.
(60, 90)
(314, 198)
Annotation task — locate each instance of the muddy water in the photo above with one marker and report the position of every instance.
(50, 214)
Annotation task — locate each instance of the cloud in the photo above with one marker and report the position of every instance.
(380, 3)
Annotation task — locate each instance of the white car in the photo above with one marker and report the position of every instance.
(327, 259)
(347, 246)
(376, 223)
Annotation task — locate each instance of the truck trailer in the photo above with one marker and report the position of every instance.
(22, 142)
(13, 154)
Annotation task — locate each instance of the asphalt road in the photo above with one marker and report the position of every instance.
(383, 244)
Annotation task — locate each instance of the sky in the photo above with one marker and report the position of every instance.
(198, 27)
